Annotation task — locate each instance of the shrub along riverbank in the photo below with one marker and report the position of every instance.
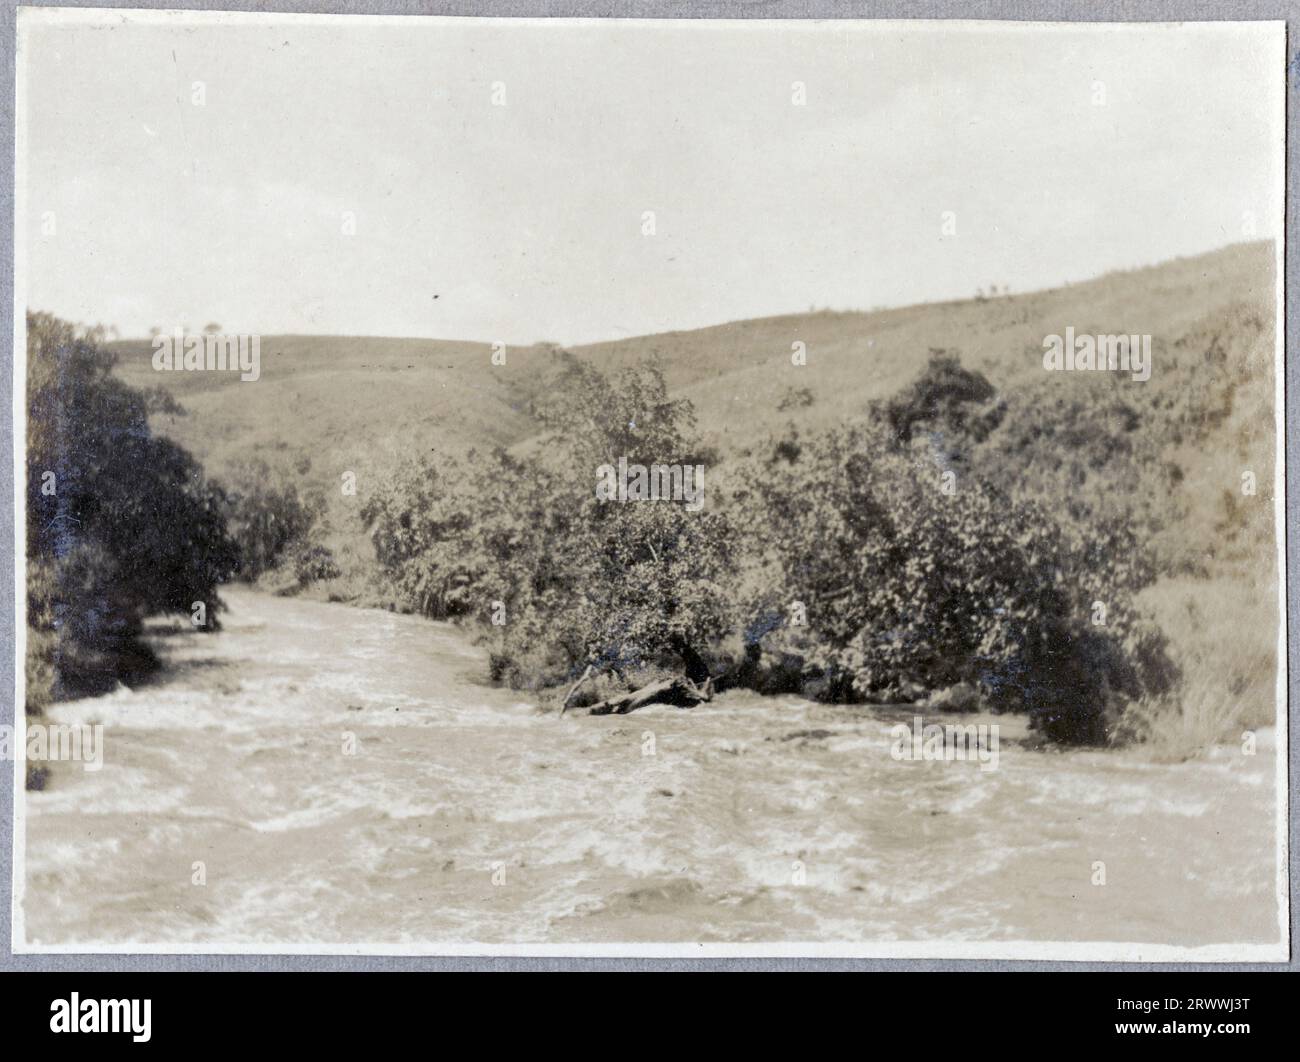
(871, 563)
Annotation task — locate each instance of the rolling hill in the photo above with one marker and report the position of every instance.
(352, 403)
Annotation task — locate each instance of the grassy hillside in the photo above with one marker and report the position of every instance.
(349, 402)
(737, 373)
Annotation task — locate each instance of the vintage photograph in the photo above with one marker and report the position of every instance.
(577, 487)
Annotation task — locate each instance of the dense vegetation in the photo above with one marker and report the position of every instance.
(121, 524)
(865, 563)
(277, 525)
(568, 580)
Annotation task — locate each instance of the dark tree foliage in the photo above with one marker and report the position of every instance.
(120, 524)
(944, 398)
(273, 522)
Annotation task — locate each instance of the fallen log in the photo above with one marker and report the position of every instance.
(679, 691)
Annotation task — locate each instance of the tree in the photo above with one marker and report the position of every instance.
(582, 582)
(120, 524)
(906, 584)
(946, 397)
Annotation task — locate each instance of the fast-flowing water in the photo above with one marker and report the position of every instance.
(233, 808)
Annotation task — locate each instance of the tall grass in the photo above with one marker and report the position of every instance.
(1228, 662)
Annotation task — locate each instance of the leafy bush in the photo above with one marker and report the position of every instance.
(570, 580)
(451, 544)
(120, 524)
(948, 398)
(313, 564)
(273, 523)
(905, 586)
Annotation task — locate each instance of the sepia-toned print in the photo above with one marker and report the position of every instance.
(575, 487)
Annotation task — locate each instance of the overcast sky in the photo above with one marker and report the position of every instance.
(1063, 153)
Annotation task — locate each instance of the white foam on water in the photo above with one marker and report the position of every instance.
(235, 757)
